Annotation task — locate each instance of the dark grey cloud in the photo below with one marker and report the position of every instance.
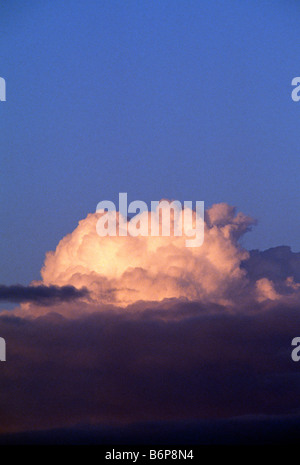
(178, 363)
(41, 294)
(276, 264)
(233, 431)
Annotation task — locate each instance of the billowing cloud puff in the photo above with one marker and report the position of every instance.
(124, 270)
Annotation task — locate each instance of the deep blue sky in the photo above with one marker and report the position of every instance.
(187, 100)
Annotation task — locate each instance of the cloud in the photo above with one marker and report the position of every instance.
(246, 431)
(277, 264)
(175, 363)
(41, 294)
(124, 270)
(162, 332)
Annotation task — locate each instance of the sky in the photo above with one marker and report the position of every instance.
(182, 100)
(176, 99)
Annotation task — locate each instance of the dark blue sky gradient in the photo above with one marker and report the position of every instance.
(189, 100)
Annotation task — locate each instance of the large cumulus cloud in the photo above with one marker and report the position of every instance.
(124, 270)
